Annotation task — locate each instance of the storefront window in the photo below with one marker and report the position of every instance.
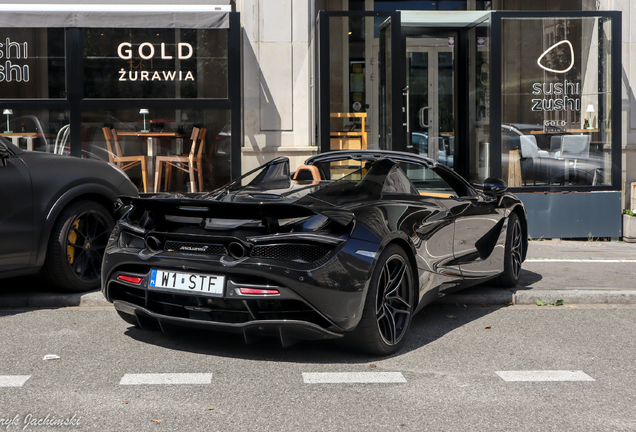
(155, 63)
(156, 135)
(36, 129)
(32, 63)
(70, 86)
(556, 98)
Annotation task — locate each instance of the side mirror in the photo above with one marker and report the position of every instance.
(494, 186)
(4, 155)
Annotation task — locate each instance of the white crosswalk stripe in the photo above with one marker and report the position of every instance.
(545, 375)
(321, 377)
(352, 377)
(166, 378)
(13, 380)
(557, 260)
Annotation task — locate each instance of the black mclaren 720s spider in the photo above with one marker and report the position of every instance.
(349, 247)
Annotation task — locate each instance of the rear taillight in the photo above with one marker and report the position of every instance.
(258, 291)
(132, 279)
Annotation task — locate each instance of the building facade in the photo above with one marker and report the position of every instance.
(488, 87)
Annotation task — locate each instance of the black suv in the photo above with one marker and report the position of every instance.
(56, 214)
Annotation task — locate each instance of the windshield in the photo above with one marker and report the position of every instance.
(361, 184)
(272, 175)
(352, 169)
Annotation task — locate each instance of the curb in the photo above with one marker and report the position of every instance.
(582, 296)
(474, 296)
(498, 296)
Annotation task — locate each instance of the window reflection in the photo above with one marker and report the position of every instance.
(480, 87)
(36, 130)
(555, 102)
(170, 133)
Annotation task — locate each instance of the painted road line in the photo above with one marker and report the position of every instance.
(558, 260)
(166, 378)
(352, 377)
(545, 375)
(13, 380)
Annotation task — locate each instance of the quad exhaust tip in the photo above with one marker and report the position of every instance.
(153, 243)
(236, 250)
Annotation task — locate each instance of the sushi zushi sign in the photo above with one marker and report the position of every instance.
(557, 96)
(13, 55)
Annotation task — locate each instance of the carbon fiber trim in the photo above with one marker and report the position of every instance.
(130, 241)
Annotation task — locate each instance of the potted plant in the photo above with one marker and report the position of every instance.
(629, 226)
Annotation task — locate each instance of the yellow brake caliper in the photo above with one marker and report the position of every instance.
(72, 236)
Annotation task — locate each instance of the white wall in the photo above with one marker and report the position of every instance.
(277, 79)
(628, 96)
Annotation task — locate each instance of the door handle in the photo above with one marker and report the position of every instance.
(406, 94)
(421, 117)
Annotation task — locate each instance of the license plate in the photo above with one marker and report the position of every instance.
(190, 282)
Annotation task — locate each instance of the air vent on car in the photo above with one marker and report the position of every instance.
(130, 241)
(300, 253)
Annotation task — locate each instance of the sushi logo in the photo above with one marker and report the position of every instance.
(555, 56)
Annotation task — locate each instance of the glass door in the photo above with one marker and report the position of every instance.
(430, 97)
(354, 104)
(386, 89)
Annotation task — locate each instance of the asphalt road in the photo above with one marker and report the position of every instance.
(446, 378)
(577, 272)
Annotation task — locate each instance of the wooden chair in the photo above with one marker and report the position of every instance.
(191, 163)
(201, 158)
(125, 162)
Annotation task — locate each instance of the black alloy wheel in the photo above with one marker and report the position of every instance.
(516, 248)
(77, 245)
(389, 306)
(514, 254)
(393, 308)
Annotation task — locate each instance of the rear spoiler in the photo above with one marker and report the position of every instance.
(227, 210)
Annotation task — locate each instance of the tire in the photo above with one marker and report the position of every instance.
(76, 247)
(513, 255)
(388, 308)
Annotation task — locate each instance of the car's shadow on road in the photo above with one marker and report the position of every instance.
(433, 322)
(527, 279)
(25, 293)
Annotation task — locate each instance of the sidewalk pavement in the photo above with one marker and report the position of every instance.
(577, 272)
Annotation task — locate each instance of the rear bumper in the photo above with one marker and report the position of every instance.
(288, 331)
(329, 293)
